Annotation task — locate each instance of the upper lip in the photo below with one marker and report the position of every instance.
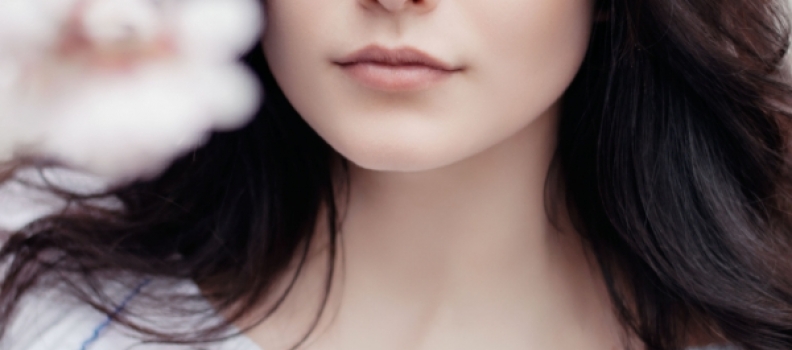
(405, 56)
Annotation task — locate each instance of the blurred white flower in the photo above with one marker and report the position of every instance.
(119, 88)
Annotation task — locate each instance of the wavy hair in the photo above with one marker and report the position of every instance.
(673, 159)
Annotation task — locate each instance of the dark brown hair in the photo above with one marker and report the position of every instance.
(672, 153)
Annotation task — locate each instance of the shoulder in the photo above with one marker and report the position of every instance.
(50, 319)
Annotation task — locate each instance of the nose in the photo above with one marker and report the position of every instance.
(402, 5)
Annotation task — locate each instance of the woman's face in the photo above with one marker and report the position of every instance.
(499, 66)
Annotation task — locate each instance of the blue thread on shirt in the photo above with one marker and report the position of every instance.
(98, 330)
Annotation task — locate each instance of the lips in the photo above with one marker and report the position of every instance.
(393, 70)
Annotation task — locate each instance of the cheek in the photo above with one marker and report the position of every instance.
(526, 53)
(533, 50)
(293, 27)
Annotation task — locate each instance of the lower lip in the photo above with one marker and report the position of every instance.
(395, 78)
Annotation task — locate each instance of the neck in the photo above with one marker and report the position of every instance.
(478, 218)
(440, 254)
(472, 236)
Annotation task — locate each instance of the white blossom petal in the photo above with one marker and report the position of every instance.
(140, 124)
(119, 88)
(110, 22)
(25, 27)
(217, 29)
(228, 92)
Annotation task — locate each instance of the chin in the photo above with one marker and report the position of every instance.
(398, 156)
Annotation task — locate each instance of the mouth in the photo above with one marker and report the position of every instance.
(393, 70)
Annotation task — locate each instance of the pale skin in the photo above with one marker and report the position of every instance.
(446, 240)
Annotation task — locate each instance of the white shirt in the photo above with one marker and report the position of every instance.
(53, 321)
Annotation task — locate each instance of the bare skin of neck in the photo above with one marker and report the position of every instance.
(461, 257)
